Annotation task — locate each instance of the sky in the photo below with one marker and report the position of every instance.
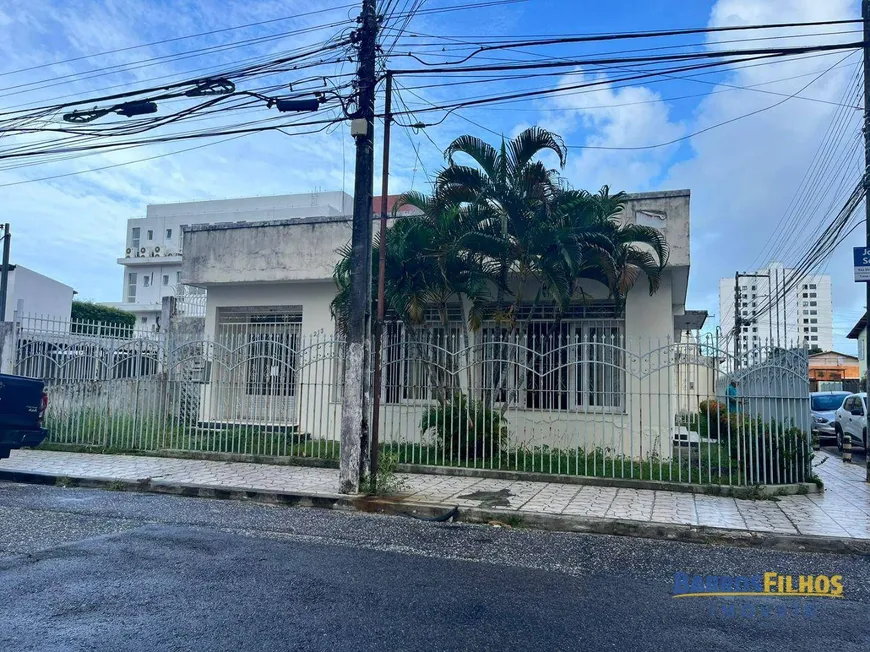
(752, 198)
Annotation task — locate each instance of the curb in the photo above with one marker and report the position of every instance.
(479, 515)
(751, 492)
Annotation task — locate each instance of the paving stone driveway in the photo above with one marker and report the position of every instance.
(843, 510)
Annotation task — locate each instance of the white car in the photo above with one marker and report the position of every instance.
(852, 420)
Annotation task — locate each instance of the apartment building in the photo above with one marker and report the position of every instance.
(153, 252)
(774, 308)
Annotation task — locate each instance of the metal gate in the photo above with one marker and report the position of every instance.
(575, 399)
(254, 367)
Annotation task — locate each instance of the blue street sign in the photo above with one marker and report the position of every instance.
(862, 264)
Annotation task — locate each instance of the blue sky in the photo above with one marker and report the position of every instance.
(743, 176)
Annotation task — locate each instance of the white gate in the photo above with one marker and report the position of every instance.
(254, 373)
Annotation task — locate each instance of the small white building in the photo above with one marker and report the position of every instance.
(32, 293)
(153, 251)
(269, 287)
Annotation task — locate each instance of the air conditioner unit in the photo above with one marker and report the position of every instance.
(156, 250)
(142, 251)
(129, 251)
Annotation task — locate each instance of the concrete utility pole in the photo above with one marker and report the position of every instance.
(865, 15)
(355, 402)
(4, 272)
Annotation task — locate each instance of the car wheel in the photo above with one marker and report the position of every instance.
(839, 438)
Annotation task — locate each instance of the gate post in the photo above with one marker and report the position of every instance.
(7, 347)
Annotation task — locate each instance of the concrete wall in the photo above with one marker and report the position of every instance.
(268, 252)
(32, 293)
(668, 211)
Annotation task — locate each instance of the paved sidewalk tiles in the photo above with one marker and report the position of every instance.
(842, 511)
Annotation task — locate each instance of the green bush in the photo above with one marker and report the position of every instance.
(465, 428)
(85, 311)
(714, 420)
(775, 448)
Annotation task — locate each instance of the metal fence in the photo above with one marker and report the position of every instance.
(577, 398)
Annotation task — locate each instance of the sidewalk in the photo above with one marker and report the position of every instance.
(841, 514)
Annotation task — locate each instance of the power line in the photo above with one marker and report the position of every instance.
(177, 38)
(637, 35)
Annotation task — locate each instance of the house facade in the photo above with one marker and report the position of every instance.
(859, 334)
(831, 370)
(562, 382)
(153, 251)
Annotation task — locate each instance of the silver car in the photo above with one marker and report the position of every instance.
(824, 406)
(852, 420)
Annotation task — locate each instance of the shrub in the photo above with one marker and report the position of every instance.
(465, 428)
(781, 450)
(85, 311)
(714, 420)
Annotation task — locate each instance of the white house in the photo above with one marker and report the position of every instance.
(604, 382)
(32, 293)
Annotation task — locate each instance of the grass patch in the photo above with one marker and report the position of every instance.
(709, 465)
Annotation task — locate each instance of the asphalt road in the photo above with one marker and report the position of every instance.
(97, 570)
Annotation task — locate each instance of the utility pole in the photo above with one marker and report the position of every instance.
(738, 321)
(865, 15)
(355, 401)
(4, 272)
(382, 267)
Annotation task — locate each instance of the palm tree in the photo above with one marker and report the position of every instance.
(495, 226)
(616, 254)
(512, 194)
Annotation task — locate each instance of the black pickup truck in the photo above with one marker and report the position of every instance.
(23, 402)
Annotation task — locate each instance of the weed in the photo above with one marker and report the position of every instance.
(115, 485)
(64, 481)
(387, 481)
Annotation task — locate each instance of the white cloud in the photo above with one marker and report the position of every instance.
(744, 175)
(608, 116)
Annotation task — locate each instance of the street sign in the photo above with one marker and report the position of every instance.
(862, 264)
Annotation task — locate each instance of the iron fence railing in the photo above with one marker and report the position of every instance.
(576, 399)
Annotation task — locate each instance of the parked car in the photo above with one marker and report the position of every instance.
(823, 407)
(852, 420)
(23, 402)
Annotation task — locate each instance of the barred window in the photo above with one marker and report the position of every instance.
(573, 365)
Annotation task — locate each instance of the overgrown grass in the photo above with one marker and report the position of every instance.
(709, 464)
(123, 435)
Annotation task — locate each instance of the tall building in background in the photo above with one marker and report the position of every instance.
(802, 312)
(153, 252)
(152, 256)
